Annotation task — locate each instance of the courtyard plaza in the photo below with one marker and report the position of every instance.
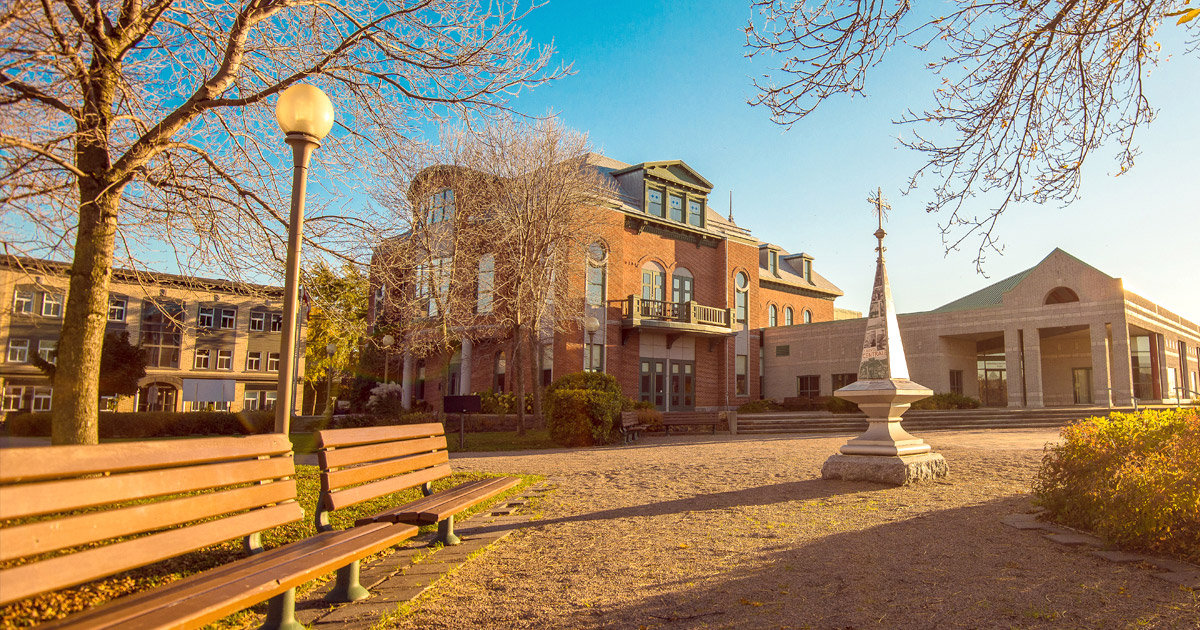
(701, 531)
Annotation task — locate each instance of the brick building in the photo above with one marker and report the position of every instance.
(210, 344)
(681, 295)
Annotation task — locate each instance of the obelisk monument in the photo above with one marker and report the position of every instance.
(885, 453)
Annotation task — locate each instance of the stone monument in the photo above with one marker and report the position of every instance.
(885, 453)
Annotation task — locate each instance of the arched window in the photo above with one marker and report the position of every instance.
(498, 373)
(596, 274)
(742, 282)
(788, 316)
(681, 285)
(772, 315)
(807, 316)
(653, 281)
(1061, 295)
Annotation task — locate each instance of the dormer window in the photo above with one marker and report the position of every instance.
(695, 212)
(676, 208)
(807, 272)
(441, 206)
(773, 263)
(654, 202)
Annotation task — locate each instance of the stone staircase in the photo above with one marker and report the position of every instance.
(916, 421)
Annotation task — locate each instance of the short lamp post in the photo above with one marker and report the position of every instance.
(330, 350)
(305, 115)
(591, 325)
(387, 340)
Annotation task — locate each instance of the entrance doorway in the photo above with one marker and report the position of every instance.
(1081, 381)
(683, 386)
(157, 397)
(652, 382)
(993, 379)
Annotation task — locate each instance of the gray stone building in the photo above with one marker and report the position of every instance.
(1059, 333)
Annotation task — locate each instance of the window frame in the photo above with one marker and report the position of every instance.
(485, 285)
(789, 316)
(204, 353)
(226, 357)
(259, 317)
(256, 357)
(276, 322)
(228, 319)
(25, 298)
(815, 389)
(11, 393)
(661, 204)
(48, 350)
(51, 300)
(42, 395)
(201, 316)
(772, 315)
(741, 372)
(272, 357)
(699, 214)
(672, 197)
(21, 345)
(807, 316)
(741, 297)
(652, 271)
(117, 304)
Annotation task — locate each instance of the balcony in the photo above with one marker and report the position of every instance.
(676, 318)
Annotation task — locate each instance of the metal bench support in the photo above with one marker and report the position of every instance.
(445, 534)
(346, 587)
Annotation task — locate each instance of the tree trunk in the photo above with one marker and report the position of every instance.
(538, 367)
(519, 373)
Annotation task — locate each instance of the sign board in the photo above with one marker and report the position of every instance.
(461, 404)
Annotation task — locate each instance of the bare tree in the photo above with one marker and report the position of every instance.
(1029, 88)
(136, 129)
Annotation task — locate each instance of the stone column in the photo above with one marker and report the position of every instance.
(406, 382)
(1012, 367)
(1033, 369)
(1101, 380)
(464, 379)
(1122, 370)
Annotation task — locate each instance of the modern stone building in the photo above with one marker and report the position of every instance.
(681, 294)
(1059, 333)
(210, 344)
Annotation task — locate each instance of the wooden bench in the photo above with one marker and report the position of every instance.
(692, 418)
(362, 464)
(631, 428)
(81, 513)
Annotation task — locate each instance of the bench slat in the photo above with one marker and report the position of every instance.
(371, 472)
(51, 535)
(375, 452)
(337, 438)
(69, 570)
(349, 496)
(436, 507)
(201, 599)
(58, 496)
(48, 462)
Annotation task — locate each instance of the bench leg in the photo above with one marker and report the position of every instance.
(281, 612)
(445, 533)
(346, 588)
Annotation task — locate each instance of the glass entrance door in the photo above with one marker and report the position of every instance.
(1081, 379)
(683, 385)
(653, 382)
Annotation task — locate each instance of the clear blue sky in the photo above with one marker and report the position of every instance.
(660, 80)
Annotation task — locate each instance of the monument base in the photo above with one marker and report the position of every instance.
(897, 470)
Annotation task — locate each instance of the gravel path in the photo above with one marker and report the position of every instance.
(741, 532)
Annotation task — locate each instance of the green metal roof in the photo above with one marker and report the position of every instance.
(992, 295)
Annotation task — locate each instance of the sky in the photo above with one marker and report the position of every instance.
(660, 80)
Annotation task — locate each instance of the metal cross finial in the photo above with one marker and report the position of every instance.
(881, 208)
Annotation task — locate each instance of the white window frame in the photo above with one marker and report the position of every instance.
(18, 346)
(225, 359)
(42, 397)
(272, 361)
(206, 316)
(51, 305)
(23, 302)
(789, 316)
(250, 401)
(117, 307)
(14, 396)
(228, 318)
(254, 361)
(486, 284)
(276, 322)
(205, 354)
(48, 350)
(259, 318)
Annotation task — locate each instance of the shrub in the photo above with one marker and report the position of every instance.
(582, 417)
(840, 405)
(598, 381)
(650, 417)
(386, 400)
(760, 406)
(148, 424)
(1133, 479)
(356, 421)
(946, 401)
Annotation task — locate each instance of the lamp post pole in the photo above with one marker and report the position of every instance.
(387, 340)
(330, 350)
(591, 324)
(306, 116)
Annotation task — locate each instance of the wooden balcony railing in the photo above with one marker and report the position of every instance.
(636, 308)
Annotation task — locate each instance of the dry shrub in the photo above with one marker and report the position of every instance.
(1133, 478)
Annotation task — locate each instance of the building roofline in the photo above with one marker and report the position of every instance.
(30, 265)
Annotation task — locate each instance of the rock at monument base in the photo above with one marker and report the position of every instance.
(890, 469)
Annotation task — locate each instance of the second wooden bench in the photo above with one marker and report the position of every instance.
(692, 418)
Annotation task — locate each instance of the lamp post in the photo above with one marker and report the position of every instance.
(591, 325)
(305, 115)
(387, 340)
(330, 350)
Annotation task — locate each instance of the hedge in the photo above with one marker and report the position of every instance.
(1132, 478)
(946, 401)
(147, 424)
(582, 417)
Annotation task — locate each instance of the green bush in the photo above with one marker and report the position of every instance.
(582, 417)
(840, 405)
(147, 424)
(357, 421)
(650, 417)
(1132, 478)
(598, 381)
(946, 401)
(492, 403)
(760, 406)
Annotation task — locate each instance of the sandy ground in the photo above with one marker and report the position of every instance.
(741, 532)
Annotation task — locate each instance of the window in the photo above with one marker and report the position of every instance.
(441, 206)
(742, 382)
(253, 361)
(51, 305)
(161, 336)
(1061, 295)
(807, 316)
(596, 274)
(224, 359)
(740, 298)
(788, 316)
(228, 318)
(18, 350)
(258, 321)
(434, 275)
(48, 350)
(676, 202)
(808, 386)
(807, 269)
(487, 283)
(681, 285)
(116, 309)
(956, 382)
(783, 351)
(695, 212)
(14, 397)
(108, 403)
(205, 317)
(654, 202)
(653, 279)
(201, 360)
(773, 263)
(498, 373)
(276, 322)
(23, 301)
(41, 398)
(844, 379)
(258, 399)
(772, 315)
(273, 362)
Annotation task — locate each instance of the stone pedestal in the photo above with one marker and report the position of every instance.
(894, 470)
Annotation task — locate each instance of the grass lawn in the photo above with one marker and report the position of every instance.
(487, 441)
(61, 603)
